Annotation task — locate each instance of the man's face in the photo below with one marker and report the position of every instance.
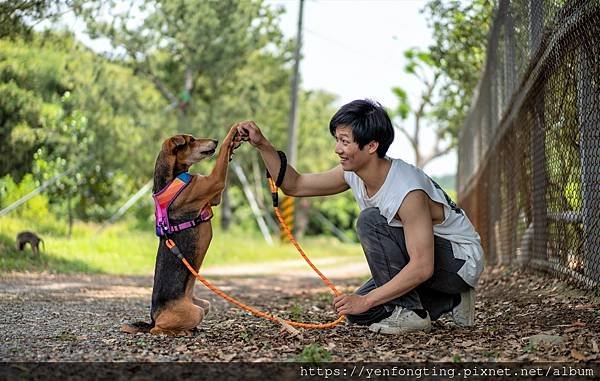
(351, 157)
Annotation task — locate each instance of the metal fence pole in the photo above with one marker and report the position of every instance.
(536, 25)
(510, 61)
(587, 100)
(539, 180)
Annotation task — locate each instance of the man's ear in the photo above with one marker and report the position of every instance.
(372, 146)
(173, 143)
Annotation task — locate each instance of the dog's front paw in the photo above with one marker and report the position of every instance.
(235, 144)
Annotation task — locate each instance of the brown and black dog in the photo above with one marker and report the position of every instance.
(32, 239)
(175, 310)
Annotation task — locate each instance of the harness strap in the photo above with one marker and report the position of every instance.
(163, 200)
(205, 214)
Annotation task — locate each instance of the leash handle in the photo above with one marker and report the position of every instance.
(280, 176)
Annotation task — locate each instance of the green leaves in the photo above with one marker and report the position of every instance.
(460, 36)
(403, 108)
(192, 47)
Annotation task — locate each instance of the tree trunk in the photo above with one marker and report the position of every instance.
(226, 214)
(70, 213)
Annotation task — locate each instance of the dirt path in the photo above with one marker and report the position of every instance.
(46, 317)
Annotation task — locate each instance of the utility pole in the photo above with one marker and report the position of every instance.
(293, 122)
(287, 203)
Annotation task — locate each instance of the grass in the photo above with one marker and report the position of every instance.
(315, 354)
(122, 249)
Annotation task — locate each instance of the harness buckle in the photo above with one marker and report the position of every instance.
(162, 228)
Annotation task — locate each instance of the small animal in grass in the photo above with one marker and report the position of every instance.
(27, 237)
(183, 210)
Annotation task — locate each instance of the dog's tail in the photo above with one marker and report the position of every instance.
(136, 327)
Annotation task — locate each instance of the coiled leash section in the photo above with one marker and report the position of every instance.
(274, 195)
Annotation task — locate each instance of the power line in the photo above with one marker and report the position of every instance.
(33, 193)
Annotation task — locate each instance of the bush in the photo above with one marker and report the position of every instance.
(35, 209)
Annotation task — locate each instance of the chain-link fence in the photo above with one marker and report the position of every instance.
(529, 152)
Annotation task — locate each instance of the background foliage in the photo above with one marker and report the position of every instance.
(175, 66)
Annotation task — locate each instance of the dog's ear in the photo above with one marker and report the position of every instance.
(173, 143)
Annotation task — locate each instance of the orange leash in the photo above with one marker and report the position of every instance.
(171, 245)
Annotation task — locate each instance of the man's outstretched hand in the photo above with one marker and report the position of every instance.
(248, 131)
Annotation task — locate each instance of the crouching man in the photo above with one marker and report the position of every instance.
(424, 255)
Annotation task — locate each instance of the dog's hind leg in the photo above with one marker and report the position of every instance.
(179, 317)
(202, 303)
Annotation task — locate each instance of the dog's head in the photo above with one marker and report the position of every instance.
(178, 153)
(188, 150)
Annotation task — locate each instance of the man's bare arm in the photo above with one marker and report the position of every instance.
(418, 235)
(294, 183)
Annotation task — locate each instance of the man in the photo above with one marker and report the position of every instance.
(424, 255)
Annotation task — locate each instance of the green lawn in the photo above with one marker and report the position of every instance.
(122, 249)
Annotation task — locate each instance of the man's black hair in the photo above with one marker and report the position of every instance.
(368, 120)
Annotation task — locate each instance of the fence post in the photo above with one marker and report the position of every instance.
(510, 75)
(587, 105)
(539, 180)
(536, 25)
(538, 154)
(510, 64)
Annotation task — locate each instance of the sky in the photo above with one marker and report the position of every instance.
(354, 49)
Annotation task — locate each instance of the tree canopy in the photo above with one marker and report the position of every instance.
(448, 70)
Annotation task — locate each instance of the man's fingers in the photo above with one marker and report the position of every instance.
(339, 301)
(241, 130)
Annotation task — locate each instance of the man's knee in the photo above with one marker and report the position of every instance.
(367, 221)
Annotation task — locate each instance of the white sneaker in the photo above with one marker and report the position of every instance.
(400, 321)
(464, 313)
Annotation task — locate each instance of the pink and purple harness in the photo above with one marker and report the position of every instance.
(165, 197)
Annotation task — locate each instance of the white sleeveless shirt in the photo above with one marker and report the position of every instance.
(403, 178)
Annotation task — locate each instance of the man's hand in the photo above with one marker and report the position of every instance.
(351, 304)
(249, 131)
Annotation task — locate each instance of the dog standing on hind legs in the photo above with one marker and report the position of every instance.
(183, 212)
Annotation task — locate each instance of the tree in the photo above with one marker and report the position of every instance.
(460, 30)
(15, 16)
(66, 151)
(50, 79)
(449, 71)
(423, 68)
(192, 50)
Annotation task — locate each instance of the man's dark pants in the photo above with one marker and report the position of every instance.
(385, 250)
